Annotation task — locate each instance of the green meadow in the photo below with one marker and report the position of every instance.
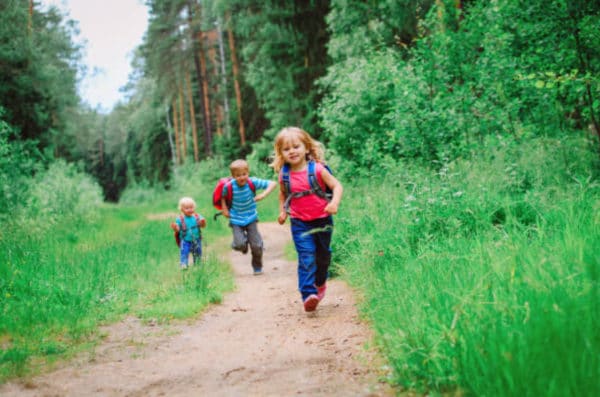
(64, 275)
(471, 283)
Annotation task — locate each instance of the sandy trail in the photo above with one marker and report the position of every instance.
(258, 342)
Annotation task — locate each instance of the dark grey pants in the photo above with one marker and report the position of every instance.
(248, 235)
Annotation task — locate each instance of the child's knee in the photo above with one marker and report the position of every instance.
(239, 246)
(306, 260)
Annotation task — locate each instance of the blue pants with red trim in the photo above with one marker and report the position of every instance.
(312, 240)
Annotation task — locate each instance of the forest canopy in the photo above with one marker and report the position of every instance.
(378, 82)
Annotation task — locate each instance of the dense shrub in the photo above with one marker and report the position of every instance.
(61, 195)
(469, 76)
(18, 162)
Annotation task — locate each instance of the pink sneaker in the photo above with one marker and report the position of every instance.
(310, 304)
(321, 291)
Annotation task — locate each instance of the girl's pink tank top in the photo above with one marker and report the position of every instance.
(309, 207)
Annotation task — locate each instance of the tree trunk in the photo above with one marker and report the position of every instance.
(202, 57)
(182, 126)
(192, 115)
(211, 39)
(176, 130)
(170, 134)
(30, 20)
(200, 77)
(101, 150)
(219, 118)
(236, 84)
(224, 81)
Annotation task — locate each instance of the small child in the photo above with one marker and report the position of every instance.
(310, 211)
(242, 213)
(188, 226)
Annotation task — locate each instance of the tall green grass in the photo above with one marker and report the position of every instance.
(69, 264)
(482, 276)
(58, 288)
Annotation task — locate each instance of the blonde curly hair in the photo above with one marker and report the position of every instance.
(186, 201)
(315, 149)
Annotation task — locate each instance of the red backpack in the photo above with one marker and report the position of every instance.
(182, 228)
(218, 192)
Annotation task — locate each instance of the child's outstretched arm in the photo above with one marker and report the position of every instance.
(225, 210)
(270, 187)
(337, 189)
(282, 212)
(175, 226)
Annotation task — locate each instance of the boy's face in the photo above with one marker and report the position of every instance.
(240, 176)
(187, 209)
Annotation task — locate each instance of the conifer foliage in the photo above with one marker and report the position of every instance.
(377, 81)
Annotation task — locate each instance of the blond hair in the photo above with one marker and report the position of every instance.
(185, 201)
(314, 148)
(237, 165)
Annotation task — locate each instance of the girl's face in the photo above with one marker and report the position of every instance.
(188, 209)
(294, 152)
(240, 176)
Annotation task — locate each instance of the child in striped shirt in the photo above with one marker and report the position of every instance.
(242, 212)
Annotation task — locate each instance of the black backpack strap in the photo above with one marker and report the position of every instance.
(287, 187)
(315, 186)
(285, 179)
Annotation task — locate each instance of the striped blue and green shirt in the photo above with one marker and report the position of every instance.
(243, 207)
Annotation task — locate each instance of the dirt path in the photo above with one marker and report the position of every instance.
(258, 342)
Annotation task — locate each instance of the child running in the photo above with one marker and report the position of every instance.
(242, 212)
(188, 226)
(298, 158)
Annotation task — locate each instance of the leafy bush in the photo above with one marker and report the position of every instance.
(190, 176)
(469, 77)
(18, 162)
(61, 194)
(353, 118)
(140, 193)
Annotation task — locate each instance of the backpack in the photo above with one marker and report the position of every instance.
(315, 187)
(182, 228)
(218, 193)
